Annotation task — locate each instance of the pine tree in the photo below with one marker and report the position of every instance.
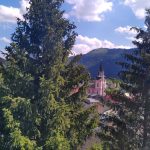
(39, 107)
(129, 125)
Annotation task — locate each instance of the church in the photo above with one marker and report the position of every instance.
(98, 85)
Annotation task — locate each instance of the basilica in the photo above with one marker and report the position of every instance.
(98, 85)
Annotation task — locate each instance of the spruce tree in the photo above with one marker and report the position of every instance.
(128, 127)
(39, 109)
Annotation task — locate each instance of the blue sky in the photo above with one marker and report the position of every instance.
(100, 23)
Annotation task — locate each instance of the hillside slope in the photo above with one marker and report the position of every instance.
(108, 57)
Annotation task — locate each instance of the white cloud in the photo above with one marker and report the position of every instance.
(145, 27)
(9, 14)
(89, 10)
(24, 5)
(126, 30)
(82, 9)
(5, 40)
(131, 38)
(65, 15)
(138, 7)
(86, 44)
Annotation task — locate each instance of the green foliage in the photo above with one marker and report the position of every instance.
(128, 126)
(57, 142)
(11, 135)
(100, 146)
(37, 107)
(113, 86)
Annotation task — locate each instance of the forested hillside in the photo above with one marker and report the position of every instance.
(108, 57)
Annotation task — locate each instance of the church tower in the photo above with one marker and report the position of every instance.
(100, 73)
(100, 82)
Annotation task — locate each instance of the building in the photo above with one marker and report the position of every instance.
(97, 90)
(98, 85)
(98, 105)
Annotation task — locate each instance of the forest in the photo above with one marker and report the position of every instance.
(38, 110)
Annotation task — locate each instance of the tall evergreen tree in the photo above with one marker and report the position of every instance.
(39, 108)
(129, 126)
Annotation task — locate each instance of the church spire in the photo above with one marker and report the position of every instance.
(101, 68)
(101, 72)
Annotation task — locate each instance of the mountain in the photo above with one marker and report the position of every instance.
(106, 57)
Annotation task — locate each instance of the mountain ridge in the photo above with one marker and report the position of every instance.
(105, 56)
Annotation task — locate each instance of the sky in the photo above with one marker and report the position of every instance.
(100, 23)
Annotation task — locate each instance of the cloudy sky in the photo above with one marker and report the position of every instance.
(100, 23)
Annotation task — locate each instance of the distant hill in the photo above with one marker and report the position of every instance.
(108, 58)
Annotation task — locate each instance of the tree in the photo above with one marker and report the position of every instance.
(130, 124)
(40, 78)
(100, 146)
